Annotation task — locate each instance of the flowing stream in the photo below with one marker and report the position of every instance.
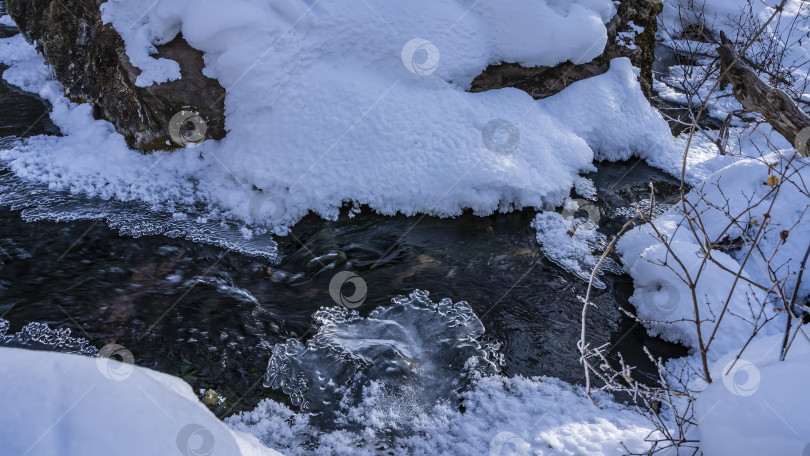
(194, 302)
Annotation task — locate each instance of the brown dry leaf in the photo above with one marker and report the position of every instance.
(772, 180)
(784, 236)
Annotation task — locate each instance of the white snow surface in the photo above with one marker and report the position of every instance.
(662, 296)
(503, 416)
(56, 403)
(322, 108)
(326, 103)
(756, 406)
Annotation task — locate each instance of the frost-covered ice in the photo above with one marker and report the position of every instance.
(37, 202)
(574, 243)
(322, 110)
(395, 382)
(411, 348)
(536, 416)
(40, 336)
(55, 403)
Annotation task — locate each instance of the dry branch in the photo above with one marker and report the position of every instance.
(755, 95)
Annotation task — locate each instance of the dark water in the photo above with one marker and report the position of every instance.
(212, 316)
(680, 117)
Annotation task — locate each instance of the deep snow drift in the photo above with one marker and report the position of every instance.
(757, 405)
(55, 403)
(331, 102)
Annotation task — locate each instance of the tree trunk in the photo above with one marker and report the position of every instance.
(756, 96)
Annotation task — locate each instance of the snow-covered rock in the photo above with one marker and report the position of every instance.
(339, 101)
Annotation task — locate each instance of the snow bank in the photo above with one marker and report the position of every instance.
(338, 101)
(758, 405)
(662, 295)
(55, 403)
(502, 416)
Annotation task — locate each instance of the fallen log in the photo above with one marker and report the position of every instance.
(754, 95)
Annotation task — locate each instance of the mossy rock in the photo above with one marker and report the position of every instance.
(542, 82)
(89, 60)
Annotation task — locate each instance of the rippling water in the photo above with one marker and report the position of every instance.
(198, 301)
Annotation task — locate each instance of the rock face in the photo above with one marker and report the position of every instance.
(631, 33)
(89, 60)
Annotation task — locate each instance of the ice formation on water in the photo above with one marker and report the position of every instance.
(414, 351)
(574, 243)
(416, 378)
(40, 336)
(38, 202)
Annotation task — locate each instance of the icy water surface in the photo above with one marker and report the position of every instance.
(198, 301)
(213, 316)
